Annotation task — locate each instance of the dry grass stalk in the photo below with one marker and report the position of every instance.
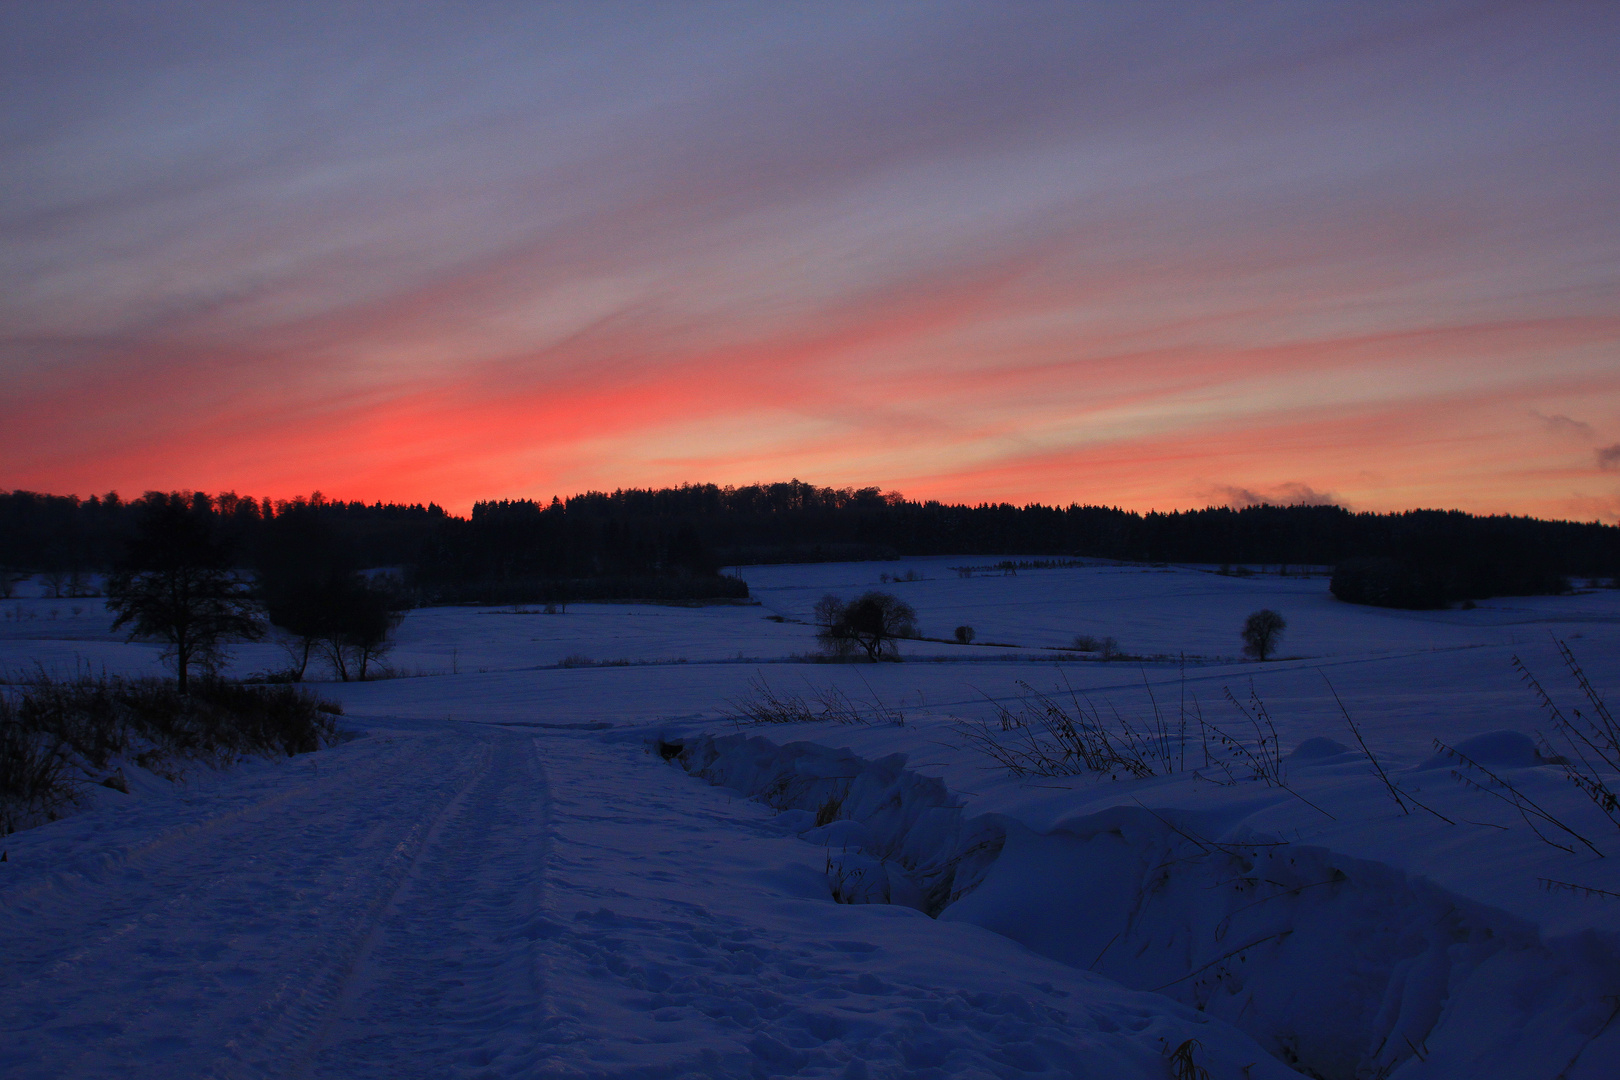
(1049, 738)
(1395, 792)
(1594, 741)
(765, 705)
(1182, 1064)
(1552, 885)
(1528, 809)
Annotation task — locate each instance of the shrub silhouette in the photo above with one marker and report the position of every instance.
(873, 621)
(56, 735)
(1261, 633)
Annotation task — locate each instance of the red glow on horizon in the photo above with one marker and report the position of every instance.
(1320, 251)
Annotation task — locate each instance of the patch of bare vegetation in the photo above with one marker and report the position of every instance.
(764, 704)
(59, 737)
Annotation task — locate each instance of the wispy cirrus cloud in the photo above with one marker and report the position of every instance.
(1091, 252)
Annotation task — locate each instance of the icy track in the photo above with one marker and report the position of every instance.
(439, 900)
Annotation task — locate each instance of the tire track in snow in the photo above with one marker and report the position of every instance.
(394, 929)
(200, 819)
(449, 980)
(218, 949)
(292, 1018)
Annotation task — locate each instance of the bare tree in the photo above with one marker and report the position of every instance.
(1262, 631)
(360, 618)
(828, 610)
(873, 621)
(323, 606)
(303, 572)
(176, 586)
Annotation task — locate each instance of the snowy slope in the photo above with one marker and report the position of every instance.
(438, 900)
(1149, 610)
(1440, 959)
(256, 919)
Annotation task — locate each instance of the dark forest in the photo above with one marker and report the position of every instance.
(673, 543)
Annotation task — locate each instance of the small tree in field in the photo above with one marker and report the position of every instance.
(344, 618)
(873, 621)
(965, 635)
(301, 616)
(315, 594)
(303, 571)
(1262, 632)
(361, 616)
(176, 586)
(828, 610)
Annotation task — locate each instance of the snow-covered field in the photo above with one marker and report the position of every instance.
(528, 869)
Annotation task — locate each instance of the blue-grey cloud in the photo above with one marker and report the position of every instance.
(1291, 493)
(1559, 424)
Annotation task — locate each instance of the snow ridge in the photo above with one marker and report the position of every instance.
(688, 937)
(910, 842)
(1341, 967)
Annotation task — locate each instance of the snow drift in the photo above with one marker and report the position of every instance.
(1342, 967)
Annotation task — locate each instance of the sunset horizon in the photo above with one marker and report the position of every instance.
(1160, 258)
(1284, 497)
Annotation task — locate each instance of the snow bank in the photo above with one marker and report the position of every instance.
(899, 837)
(1343, 967)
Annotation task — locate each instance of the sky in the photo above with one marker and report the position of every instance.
(1153, 255)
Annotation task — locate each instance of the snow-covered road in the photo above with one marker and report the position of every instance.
(265, 928)
(437, 900)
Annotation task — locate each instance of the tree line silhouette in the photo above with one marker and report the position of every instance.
(672, 543)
